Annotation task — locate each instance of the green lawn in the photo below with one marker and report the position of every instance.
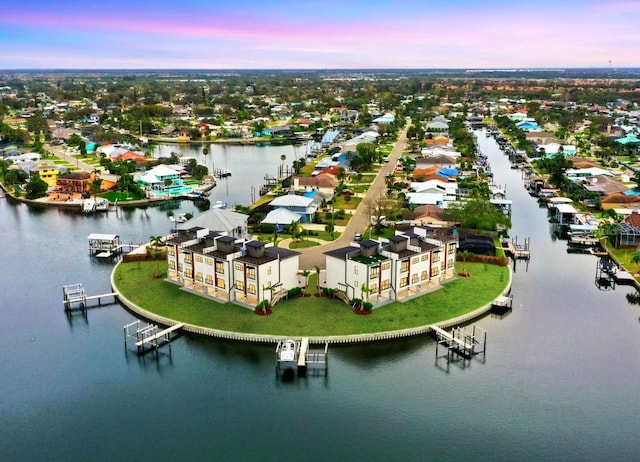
(302, 244)
(310, 316)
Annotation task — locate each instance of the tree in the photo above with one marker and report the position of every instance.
(294, 229)
(156, 243)
(477, 213)
(465, 254)
(36, 188)
(305, 274)
(636, 259)
(282, 159)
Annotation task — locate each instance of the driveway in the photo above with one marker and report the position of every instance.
(314, 256)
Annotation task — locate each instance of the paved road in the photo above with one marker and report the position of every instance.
(314, 256)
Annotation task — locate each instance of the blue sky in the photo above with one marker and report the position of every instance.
(319, 34)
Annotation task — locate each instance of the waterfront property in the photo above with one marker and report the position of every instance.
(230, 269)
(397, 268)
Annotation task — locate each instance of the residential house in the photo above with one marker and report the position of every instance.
(225, 222)
(620, 200)
(73, 182)
(303, 206)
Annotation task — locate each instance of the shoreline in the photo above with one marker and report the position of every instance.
(333, 339)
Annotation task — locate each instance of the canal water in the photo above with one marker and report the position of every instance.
(248, 164)
(559, 381)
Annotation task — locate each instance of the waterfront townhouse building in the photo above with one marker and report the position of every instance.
(229, 269)
(263, 272)
(397, 268)
(360, 271)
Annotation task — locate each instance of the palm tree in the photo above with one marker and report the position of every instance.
(465, 254)
(157, 242)
(306, 274)
(282, 158)
(317, 268)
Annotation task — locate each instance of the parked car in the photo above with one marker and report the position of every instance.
(348, 192)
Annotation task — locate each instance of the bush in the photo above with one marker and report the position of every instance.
(263, 305)
(294, 291)
(357, 302)
(266, 228)
(367, 306)
(327, 291)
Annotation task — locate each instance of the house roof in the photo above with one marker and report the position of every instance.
(281, 216)
(216, 220)
(291, 200)
(342, 252)
(620, 198)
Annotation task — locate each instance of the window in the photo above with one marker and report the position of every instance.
(208, 279)
(450, 264)
(436, 257)
(172, 264)
(435, 271)
(414, 278)
(268, 270)
(199, 276)
(199, 258)
(179, 266)
(171, 251)
(220, 283)
(355, 284)
(414, 261)
(386, 266)
(404, 266)
(404, 282)
(219, 267)
(442, 266)
(425, 257)
(188, 257)
(208, 261)
(424, 275)
(239, 267)
(374, 272)
(188, 273)
(374, 288)
(385, 284)
(251, 272)
(240, 285)
(355, 270)
(252, 289)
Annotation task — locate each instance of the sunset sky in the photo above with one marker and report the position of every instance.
(211, 34)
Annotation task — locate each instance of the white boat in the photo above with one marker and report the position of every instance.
(219, 205)
(179, 219)
(288, 354)
(88, 206)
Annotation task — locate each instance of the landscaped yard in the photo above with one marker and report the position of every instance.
(310, 316)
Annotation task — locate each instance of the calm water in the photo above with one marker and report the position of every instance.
(248, 164)
(560, 380)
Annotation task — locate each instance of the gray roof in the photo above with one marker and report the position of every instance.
(217, 220)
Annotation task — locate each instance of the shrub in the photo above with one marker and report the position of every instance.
(266, 228)
(263, 305)
(327, 291)
(294, 291)
(356, 302)
(367, 306)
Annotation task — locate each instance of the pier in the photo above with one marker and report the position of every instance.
(108, 245)
(74, 297)
(148, 336)
(517, 251)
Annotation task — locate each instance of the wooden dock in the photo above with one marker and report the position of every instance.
(74, 297)
(517, 251)
(149, 336)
